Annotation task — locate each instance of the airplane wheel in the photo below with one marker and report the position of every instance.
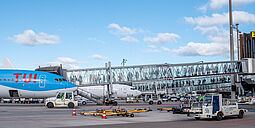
(84, 103)
(132, 115)
(50, 105)
(115, 103)
(159, 102)
(70, 105)
(151, 102)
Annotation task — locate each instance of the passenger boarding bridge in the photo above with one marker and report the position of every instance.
(165, 78)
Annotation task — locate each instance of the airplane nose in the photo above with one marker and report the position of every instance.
(138, 93)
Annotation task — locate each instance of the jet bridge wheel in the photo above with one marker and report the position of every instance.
(50, 105)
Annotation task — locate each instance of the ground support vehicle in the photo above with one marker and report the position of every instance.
(114, 112)
(216, 107)
(62, 99)
(7, 100)
(196, 108)
(180, 109)
(110, 102)
(165, 109)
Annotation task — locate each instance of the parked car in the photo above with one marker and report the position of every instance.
(82, 100)
(174, 99)
(7, 100)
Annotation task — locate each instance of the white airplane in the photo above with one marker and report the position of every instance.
(120, 91)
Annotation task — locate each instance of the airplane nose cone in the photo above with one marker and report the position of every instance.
(139, 93)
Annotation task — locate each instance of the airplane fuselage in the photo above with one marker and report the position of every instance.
(120, 91)
(30, 84)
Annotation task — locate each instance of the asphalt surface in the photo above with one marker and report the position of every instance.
(36, 115)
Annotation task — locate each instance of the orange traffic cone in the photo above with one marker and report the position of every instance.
(104, 115)
(74, 112)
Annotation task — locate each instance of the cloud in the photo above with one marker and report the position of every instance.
(116, 29)
(98, 57)
(129, 39)
(218, 45)
(97, 40)
(240, 17)
(152, 50)
(30, 38)
(218, 4)
(166, 49)
(151, 46)
(67, 63)
(67, 60)
(203, 49)
(163, 38)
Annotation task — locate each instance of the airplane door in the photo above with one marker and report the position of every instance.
(42, 79)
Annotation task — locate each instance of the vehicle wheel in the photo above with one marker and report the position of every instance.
(123, 115)
(159, 102)
(197, 118)
(241, 114)
(151, 102)
(70, 105)
(84, 102)
(107, 104)
(115, 103)
(132, 115)
(50, 105)
(168, 110)
(126, 115)
(219, 116)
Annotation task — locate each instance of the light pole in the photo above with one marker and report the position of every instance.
(124, 61)
(231, 49)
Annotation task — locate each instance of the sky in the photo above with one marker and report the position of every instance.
(90, 33)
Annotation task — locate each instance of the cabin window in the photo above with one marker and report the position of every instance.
(12, 79)
(56, 79)
(0, 79)
(4, 79)
(8, 79)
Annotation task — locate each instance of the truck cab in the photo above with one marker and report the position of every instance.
(62, 99)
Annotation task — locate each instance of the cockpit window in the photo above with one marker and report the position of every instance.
(56, 79)
(59, 79)
(133, 88)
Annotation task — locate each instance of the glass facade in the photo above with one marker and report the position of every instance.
(183, 77)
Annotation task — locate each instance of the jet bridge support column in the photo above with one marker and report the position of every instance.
(109, 85)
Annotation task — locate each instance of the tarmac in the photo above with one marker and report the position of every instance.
(37, 115)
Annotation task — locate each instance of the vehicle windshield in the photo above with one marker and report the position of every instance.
(61, 95)
(208, 100)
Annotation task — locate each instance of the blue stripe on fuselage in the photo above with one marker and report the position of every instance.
(43, 82)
